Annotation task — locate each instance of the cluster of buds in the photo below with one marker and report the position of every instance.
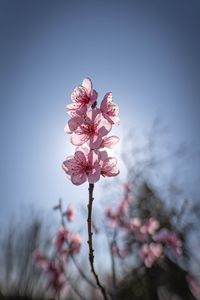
(170, 239)
(89, 127)
(66, 243)
(151, 253)
(154, 241)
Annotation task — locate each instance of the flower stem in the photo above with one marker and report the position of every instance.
(91, 250)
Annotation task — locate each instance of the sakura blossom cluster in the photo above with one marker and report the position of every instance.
(154, 241)
(66, 243)
(89, 127)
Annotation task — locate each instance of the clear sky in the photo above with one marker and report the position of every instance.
(146, 52)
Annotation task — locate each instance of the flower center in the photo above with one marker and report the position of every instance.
(82, 96)
(88, 169)
(89, 129)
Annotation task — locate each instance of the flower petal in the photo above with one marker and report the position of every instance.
(104, 104)
(80, 157)
(93, 97)
(109, 141)
(104, 127)
(78, 179)
(113, 119)
(94, 174)
(87, 84)
(103, 155)
(95, 141)
(73, 123)
(94, 115)
(93, 157)
(84, 149)
(109, 167)
(79, 139)
(69, 165)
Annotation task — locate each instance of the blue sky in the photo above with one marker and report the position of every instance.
(146, 53)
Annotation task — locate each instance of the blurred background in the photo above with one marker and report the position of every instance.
(147, 54)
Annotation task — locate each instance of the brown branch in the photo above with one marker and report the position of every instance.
(91, 250)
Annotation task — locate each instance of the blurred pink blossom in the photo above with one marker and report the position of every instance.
(75, 241)
(119, 216)
(135, 223)
(170, 239)
(56, 278)
(70, 213)
(40, 259)
(152, 225)
(61, 237)
(150, 253)
(54, 269)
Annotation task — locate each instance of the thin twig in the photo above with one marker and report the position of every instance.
(91, 250)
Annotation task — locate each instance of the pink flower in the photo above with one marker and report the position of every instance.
(82, 96)
(109, 109)
(70, 213)
(90, 126)
(94, 127)
(61, 237)
(82, 166)
(108, 165)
